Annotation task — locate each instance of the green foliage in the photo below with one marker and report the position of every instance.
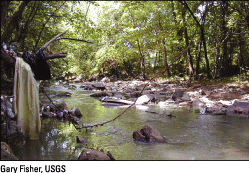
(131, 37)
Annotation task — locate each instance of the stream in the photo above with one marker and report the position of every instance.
(192, 136)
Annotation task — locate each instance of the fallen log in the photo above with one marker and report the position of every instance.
(118, 101)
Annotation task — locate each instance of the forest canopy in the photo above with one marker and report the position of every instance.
(124, 39)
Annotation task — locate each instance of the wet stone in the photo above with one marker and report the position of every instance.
(89, 154)
(99, 86)
(148, 134)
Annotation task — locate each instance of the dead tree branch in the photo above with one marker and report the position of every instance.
(53, 39)
(75, 39)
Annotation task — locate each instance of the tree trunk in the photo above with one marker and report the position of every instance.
(4, 10)
(198, 60)
(14, 23)
(203, 40)
(241, 44)
(155, 62)
(217, 62)
(21, 35)
(141, 59)
(225, 64)
(201, 26)
(165, 60)
(190, 61)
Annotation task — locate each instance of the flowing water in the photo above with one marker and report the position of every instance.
(192, 136)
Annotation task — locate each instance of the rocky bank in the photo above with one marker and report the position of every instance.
(209, 98)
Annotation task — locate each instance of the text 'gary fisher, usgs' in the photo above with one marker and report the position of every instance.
(29, 169)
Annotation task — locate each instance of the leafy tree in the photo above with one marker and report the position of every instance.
(124, 39)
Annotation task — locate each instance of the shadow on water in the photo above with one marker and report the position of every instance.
(191, 136)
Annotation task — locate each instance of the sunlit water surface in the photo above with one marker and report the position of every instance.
(192, 136)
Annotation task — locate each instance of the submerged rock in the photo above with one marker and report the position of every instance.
(90, 154)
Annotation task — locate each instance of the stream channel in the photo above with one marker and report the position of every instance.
(192, 136)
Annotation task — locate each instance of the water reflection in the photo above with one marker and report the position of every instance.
(192, 136)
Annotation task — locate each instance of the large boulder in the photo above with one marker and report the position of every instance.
(137, 135)
(151, 134)
(148, 134)
(239, 108)
(241, 103)
(89, 154)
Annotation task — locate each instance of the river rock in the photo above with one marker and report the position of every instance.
(64, 94)
(81, 140)
(135, 94)
(137, 135)
(87, 87)
(105, 79)
(241, 103)
(242, 111)
(100, 94)
(177, 94)
(89, 154)
(166, 103)
(12, 130)
(75, 119)
(76, 112)
(109, 154)
(201, 92)
(144, 99)
(46, 114)
(148, 133)
(198, 104)
(185, 103)
(118, 95)
(186, 97)
(6, 153)
(99, 86)
(61, 106)
(151, 134)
